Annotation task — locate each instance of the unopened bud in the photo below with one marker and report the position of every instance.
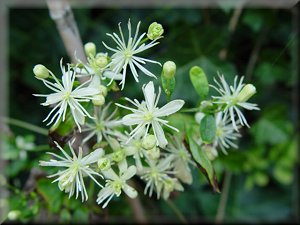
(98, 100)
(247, 92)
(210, 151)
(103, 163)
(13, 215)
(169, 69)
(101, 60)
(155, 31)
(154, 153)
(40, 71)
(149, 142)
(103, 90)
(90, 49)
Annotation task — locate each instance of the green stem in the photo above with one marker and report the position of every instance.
(144, 40)
(223, 200)
(26, 125)
(179, 214)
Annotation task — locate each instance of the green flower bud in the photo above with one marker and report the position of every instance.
(149, 142)
(98, 100)
(103, 90)
(40, 71)
(247, 92)
(118, 156)
(14, 214)
(101, 60)
(90, 49)
(104, 164)
(154, 153)
(155, 31)
(169, 69)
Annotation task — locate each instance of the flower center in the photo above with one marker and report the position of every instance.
(67, 95)
(127, 54)
(148, 116)
(117, 185)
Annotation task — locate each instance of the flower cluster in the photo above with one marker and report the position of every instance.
(122, 141)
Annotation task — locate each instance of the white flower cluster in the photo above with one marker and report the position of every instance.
(140, 143)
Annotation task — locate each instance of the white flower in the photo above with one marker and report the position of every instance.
(71, 179)
(157, 177)
(226, 133)
(147, 113)
(116, 183)
(65, 97)
(181, 159)
(103, 124)
(126, 54)
(231, 99)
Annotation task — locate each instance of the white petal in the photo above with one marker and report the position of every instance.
(169, 108)
(130, 191)
(93, 156)
(132, 119)
(131, 171)
(111, 75)
(149, 95)
(83, 92)
(159, 134)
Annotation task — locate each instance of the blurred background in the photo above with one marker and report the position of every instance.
(259, 181)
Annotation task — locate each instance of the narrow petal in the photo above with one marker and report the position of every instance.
(159, 134)
(170, 108)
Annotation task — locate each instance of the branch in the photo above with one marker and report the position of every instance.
(61, 13)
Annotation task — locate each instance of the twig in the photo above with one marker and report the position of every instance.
(254, 54)
(137, 208)
(223, 200)
(61, 13)
(25, 125)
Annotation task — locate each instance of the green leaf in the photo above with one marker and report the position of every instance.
(168, 85)
(199, 81)
(202, 161)
(51, 194)
(208, 129)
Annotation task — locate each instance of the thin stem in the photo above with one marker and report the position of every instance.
(179, 214)
(223, 200)
(25, 125)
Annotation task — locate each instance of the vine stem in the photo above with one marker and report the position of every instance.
(223, 200)
(25, 125)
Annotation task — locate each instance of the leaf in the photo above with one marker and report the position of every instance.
(199, 81)
(168, 85)
(202, 161)
(51, 194)
(208, 129)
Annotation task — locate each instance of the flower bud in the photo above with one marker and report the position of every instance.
(104, 164)
(98, 100)
(118, 156)
(101, 60)
(149, 142)
(90, 49)
(155, 31)
(40, 71)
(14, 214)
(103, 90)
(210, 151)
(169, 69)
(154, 153)
(247, 92)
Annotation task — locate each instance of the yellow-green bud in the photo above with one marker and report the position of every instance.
(101, 60)
(154, 153)
(103, 163)
(13, 215)
(98, 100)
(210, 151)
(90, 49)
(169, 69)
(149, 142)
(247, 92)
(155, 31)
(103, 90)
(118, 156)
(40, 71)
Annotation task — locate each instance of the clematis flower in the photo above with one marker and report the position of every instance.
(125, 54)
(115, 184)
(147, 113)
(235, 97)
(66, 97)
(71, 179)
